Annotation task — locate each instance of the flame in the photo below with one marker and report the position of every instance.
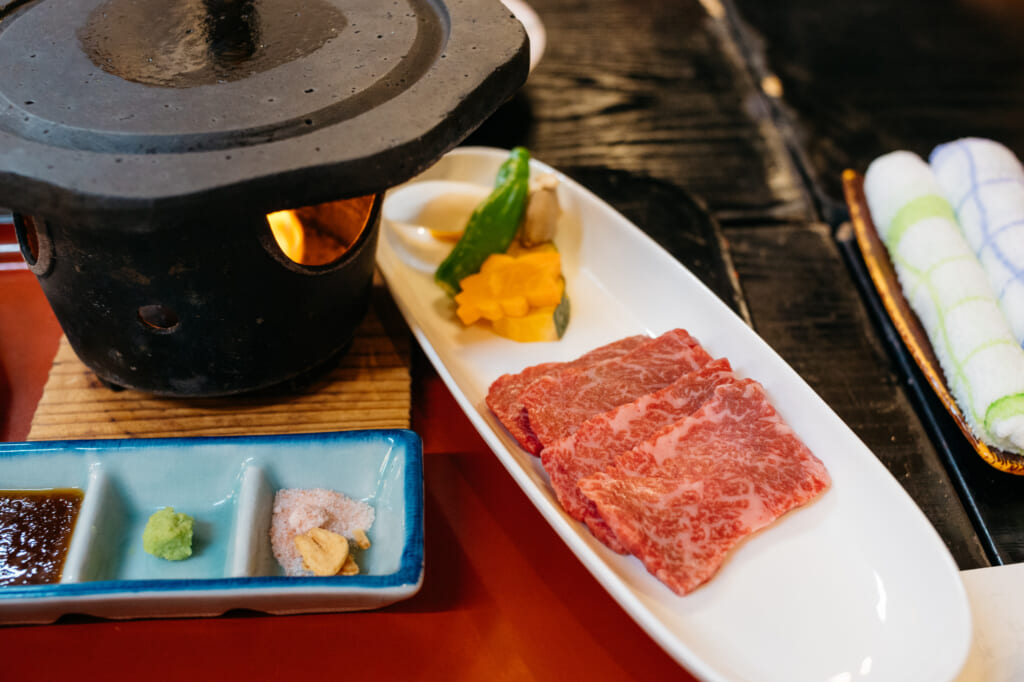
(288, 232)
(321, 234)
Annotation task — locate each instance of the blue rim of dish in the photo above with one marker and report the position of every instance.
(410, 568)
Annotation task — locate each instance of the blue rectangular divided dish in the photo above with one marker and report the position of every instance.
(227, 485)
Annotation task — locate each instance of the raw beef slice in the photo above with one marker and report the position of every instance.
(682, 500)
(503, 394)
(601, 439)
(556, 406)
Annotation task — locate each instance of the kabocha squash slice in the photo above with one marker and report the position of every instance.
(510, 286)
(522, 296)
(543, 324)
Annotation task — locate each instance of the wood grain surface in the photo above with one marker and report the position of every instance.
(864, 78)
(369, 388)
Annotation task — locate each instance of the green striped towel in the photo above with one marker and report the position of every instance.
(947, 288)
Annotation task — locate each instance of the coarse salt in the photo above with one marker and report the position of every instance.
(297, 510)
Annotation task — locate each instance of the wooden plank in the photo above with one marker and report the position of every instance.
(671, 100)
(860, 79)
(369, 388)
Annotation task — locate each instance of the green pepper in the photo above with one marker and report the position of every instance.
(493, 225)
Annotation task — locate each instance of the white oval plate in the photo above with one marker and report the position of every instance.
(534, 28)
(856, 586)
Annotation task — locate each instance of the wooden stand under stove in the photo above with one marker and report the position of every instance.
(369, 388)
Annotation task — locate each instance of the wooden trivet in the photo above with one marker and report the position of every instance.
(369, 388)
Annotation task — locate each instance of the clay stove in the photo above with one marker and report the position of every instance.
(143, 144)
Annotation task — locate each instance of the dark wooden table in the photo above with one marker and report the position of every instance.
(862, 79)
(721, 128)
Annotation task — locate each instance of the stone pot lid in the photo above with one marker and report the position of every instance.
(126, 112)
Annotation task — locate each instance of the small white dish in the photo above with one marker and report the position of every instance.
(227, 485)
(534, 28)
(856, 586)
(421, 212)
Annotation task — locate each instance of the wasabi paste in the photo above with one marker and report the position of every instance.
(168, 535)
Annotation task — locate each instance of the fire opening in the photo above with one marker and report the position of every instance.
(321, 234)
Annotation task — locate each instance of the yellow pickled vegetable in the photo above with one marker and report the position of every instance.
(537, 325)
(510, 286)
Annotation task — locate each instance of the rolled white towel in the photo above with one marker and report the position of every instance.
(984, 181)
(946, 286)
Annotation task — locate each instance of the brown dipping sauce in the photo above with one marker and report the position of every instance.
(35, 531)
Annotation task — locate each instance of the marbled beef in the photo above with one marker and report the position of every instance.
(557, 405)
(503, 394)
(602, 438)
(683, 499)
